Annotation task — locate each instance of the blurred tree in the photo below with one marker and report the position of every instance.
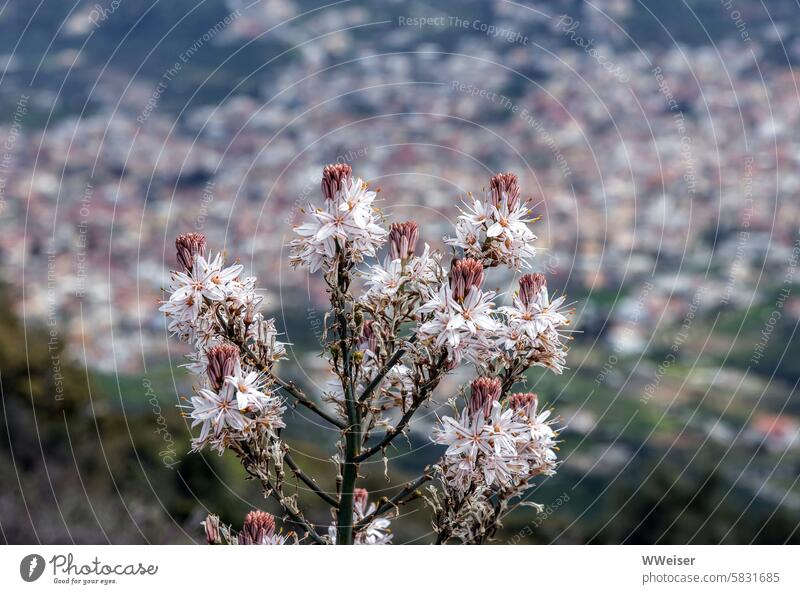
(74, 469)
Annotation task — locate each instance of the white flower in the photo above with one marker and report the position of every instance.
(307, 251)
(465, 329)
(467, 238)
(386, 280)
(424, 271)
(377, 532)
(198, 362)
(347, 221)
(553, 356)
(509, 224)
(248, 389)
(218, 415)
(508, 338)
(242, 294)
(339, 225)
(357, 199)
(503, 431)
(188, 290)
(478, 214)
(460, 473)
(507, 448)
(497, 234)
(216, 276)
(497, 469)
(439, 302)
(540, 316)
(206, 280)
(474, 313)
(465, 436)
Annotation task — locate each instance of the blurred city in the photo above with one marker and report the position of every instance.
(658, 140)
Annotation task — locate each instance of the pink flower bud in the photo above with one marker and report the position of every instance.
(257, 527)
(505, 187)
(529, 287)
(485, 392)
(360, 497)
(211, 525)
(336, 177)
(222, 360)
(524, 402)
(403, 240)
(465, 274)
(189, 245)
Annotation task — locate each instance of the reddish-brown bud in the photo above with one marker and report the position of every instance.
(403, 240)
(189, 245)
(465, 274)
(222, 360)
(523, 401)
(360, 497)
(257, 527)
(529, 287)
(335, 177)
(369, 340)
(505, 188)
(485, 392)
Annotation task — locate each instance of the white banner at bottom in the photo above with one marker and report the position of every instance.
(400, 569)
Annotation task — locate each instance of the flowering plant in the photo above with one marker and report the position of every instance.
(396, 328)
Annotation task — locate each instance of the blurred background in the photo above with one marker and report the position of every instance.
(659, 141)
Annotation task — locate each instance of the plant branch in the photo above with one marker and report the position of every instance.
(309, 481)
(289, 387)
(254, 469)
(406, 494)
(391, 434)
(301, 398)
(398, 354)
(421, 396)
(294, 516)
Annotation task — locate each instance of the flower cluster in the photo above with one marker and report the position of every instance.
(258, 529)
(462, 318)
(493, 444)
(347, 222)
(207, 293)
(460, 314)
(236, 404)
(399, 322)
(533, 325)
(207, 302)
(495, 230)
(495, 447)
(403, 274)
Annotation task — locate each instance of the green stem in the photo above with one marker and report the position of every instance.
(352, 433)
